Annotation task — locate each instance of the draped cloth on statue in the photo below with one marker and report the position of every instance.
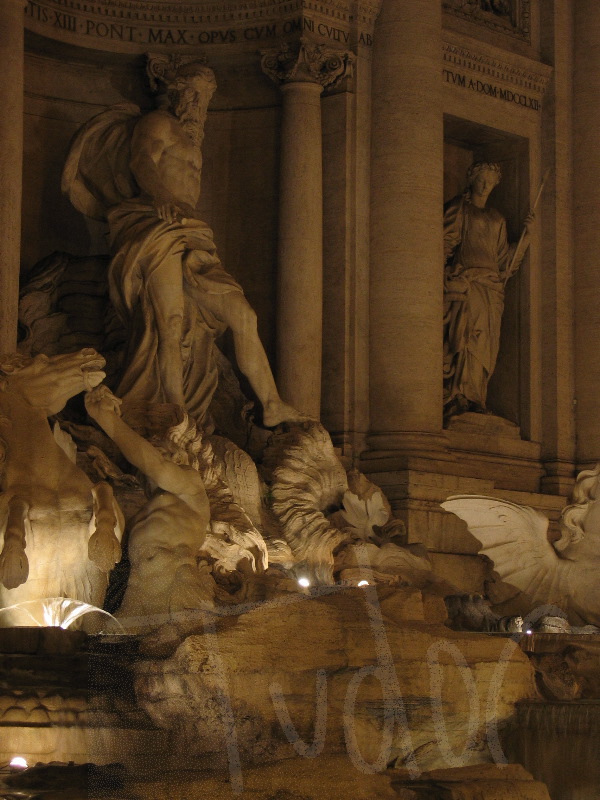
(476, 242)
(142, 244)
(98, 180)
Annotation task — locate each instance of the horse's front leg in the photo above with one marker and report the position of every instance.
(14, 566)
(104, 548)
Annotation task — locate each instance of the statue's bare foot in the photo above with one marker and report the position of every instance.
(276, 411)
(14, 566)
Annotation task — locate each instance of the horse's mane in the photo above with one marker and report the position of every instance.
(573, 516)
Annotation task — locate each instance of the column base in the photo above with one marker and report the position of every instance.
(559, 478)
(404, 449)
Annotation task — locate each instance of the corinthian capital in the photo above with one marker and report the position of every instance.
(304, 61)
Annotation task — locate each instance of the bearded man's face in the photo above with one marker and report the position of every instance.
(190, 99)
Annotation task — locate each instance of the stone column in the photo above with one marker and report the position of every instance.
(586, 183)
(557, 285)
(302, 71)
(11, 161)
(406, 283)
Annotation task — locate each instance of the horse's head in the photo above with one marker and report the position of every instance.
(47, 382)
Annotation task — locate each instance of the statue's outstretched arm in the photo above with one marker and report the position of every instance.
(185, 482)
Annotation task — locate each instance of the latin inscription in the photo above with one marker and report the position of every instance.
(122, 32)
(489, 89)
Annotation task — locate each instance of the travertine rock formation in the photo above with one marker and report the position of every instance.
(371, 672)
(295, 780)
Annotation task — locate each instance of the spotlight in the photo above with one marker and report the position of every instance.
(18, 762)
(304, 582)
(529, 632)
(363, 583)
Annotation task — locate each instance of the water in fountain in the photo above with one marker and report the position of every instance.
(558, 742)
(60, 612)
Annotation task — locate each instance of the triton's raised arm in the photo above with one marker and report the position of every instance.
(182, 481)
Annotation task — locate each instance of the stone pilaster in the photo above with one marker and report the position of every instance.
(406, 283)
(302, 71)
(586, 181)
(11, 161)
(558, 288)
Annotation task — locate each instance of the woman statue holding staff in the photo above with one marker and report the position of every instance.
(478, 263)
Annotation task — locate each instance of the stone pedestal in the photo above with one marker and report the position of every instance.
(11, 159)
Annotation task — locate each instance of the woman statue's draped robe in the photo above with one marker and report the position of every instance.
(478, 260)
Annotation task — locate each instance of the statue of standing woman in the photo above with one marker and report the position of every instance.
(478, 263)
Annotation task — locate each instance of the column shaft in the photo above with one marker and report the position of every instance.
(586, 162)
(11, 161)
(406, 285)
(300, 285)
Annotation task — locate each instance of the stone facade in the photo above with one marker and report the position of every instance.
(338, 131)
(359, 339)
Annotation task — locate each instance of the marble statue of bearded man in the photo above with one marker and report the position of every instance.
(478, 263)
(142, 173)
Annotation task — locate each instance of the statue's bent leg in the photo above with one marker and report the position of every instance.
(237, 314)
(165, 289)
(14, 566)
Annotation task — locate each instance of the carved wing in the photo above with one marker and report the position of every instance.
(97, 174)
(515, 539)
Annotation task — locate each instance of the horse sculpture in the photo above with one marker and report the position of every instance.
(48, 506)
(563, 573)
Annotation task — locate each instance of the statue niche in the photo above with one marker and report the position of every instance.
(479, 261)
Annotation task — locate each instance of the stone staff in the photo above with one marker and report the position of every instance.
(517, 255)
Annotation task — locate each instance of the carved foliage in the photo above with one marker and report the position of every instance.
(304, 61)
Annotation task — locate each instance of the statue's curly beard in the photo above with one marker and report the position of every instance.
(191, 116)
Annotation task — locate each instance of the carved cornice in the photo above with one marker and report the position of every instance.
(306, 62)
(217, 12)
(494, 66)
(130, 25)
(510, 17)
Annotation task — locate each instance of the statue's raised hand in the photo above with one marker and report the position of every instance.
(529, 220)
(101, 403)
